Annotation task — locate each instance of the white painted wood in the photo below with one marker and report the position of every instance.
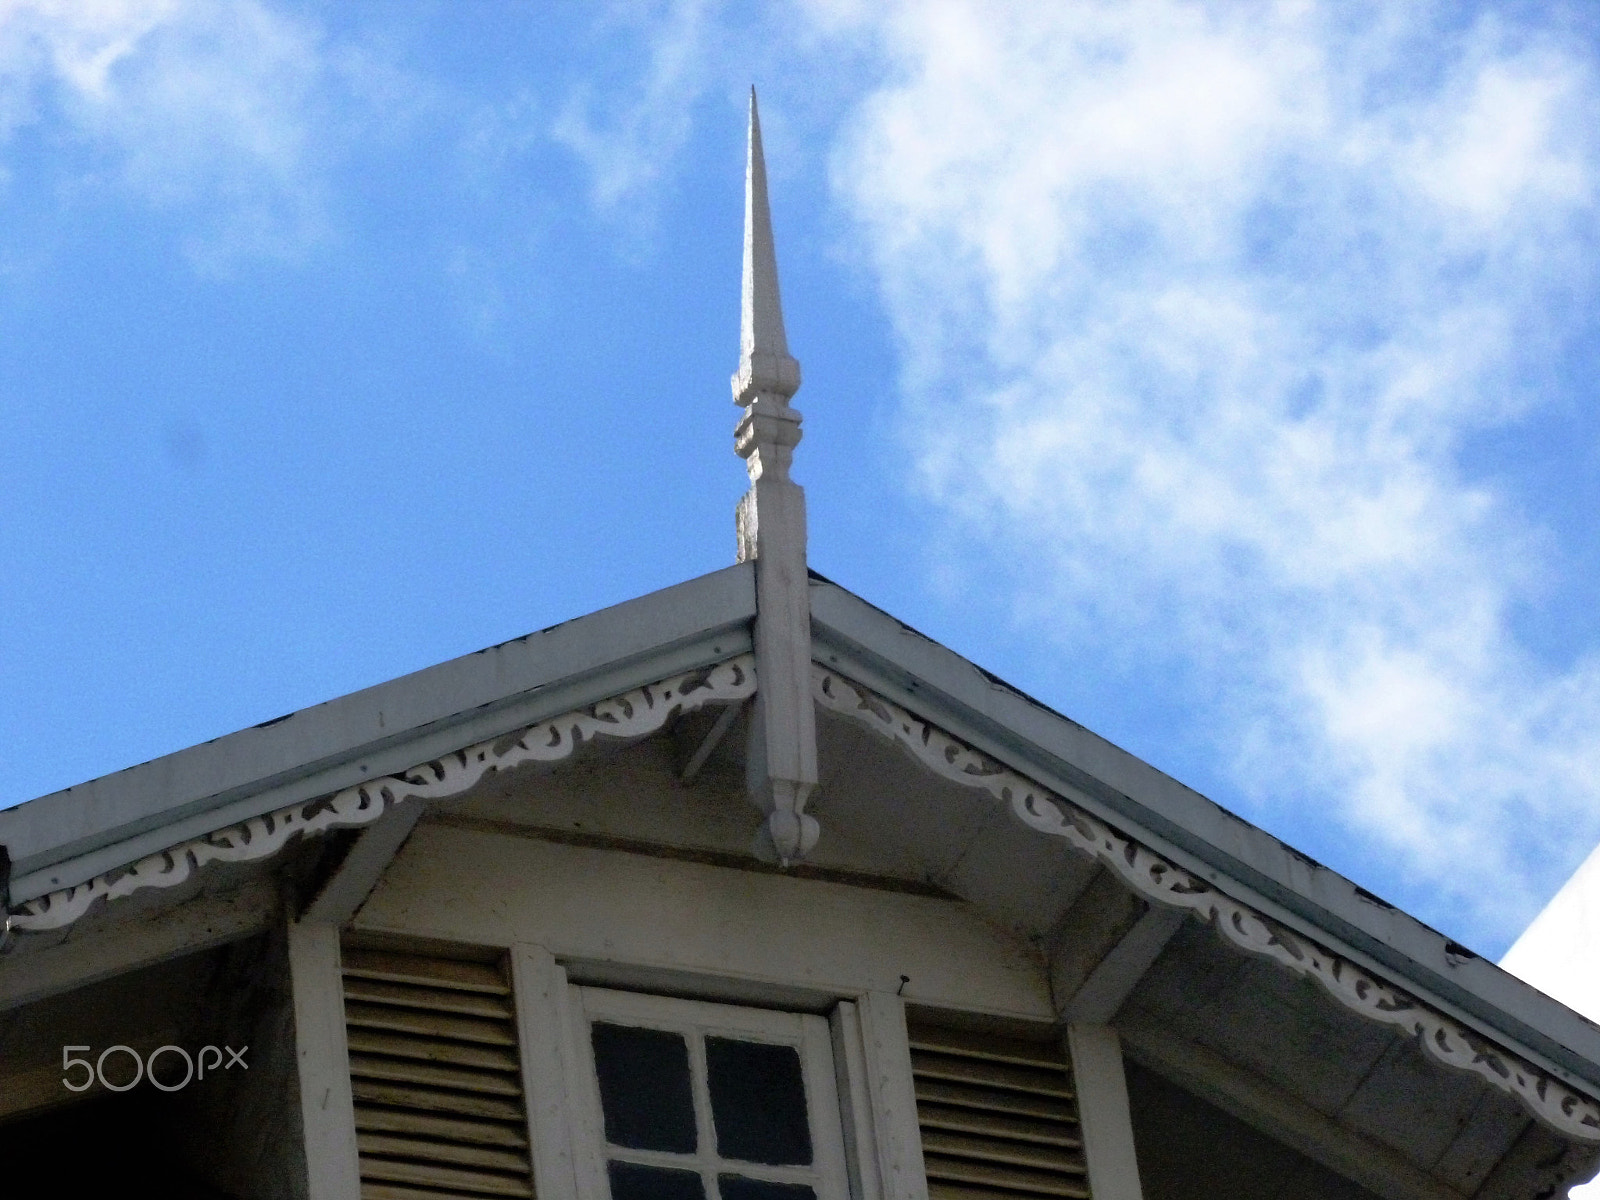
(588, 1123)
(886, 1048)
(322, 1052)
(374, 849)
(700, 985)
(198, 924)
(1112, 981)
(855, 1102)
(1482, 1140)
(1103, 1112)
(391, 727)
(696, 1020)
(1276, 1113)
(589, 905)
(540, 990)
(782, 755)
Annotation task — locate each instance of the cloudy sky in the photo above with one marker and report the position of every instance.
(1222, 374)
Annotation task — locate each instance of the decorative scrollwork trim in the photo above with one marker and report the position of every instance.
(1565, 1110)
(633, 714)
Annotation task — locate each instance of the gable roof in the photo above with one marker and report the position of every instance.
(1194, 832)
(66, 839)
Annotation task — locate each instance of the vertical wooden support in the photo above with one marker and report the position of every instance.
(782, 762)
(878, 1101)
(855, 1103)
(327, 1109)
(539, 986)
(1103, 1112)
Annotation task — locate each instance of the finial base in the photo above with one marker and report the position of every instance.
(786, 837)
(765, 437)
(764, 373)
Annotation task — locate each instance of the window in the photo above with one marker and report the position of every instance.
(688, 1100)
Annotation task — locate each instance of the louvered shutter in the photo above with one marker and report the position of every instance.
(998, 1117)
(436, 1077)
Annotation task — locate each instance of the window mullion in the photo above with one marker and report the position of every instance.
(702, 1163)
(700, 1078)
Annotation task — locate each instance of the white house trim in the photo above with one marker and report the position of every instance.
(1103, 1112)
(1564, 1109)
(874, 1053)
(539, 988)
(647, 709)
(322, 1050)
(633, 714)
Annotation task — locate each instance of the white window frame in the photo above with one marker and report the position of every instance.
(699, 1019)
(863, 1084)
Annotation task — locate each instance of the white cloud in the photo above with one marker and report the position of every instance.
(627, 133)
(1199, 301)
(223, 111)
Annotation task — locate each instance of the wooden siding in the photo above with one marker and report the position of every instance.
(750, 930)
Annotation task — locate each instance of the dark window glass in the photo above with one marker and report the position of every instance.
(644, 1088)
(758, 1103)
(629, 1181)
(737, 1187)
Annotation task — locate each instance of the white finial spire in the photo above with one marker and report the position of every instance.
(782, 755)
(764, 362)
(769, 430)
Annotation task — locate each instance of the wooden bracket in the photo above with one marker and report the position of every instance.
(1103, 946)
(350, 885)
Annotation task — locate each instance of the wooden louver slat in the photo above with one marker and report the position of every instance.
(436, 1078)
(998, 1117)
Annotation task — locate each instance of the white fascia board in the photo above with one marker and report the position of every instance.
(1239, 859)
(70, 836)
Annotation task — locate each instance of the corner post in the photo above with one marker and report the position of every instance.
(1103, 1113)
(322, 1053)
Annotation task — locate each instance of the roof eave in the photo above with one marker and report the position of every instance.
(1230, 853)
(67, 837)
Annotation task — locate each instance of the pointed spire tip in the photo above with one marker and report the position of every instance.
(765, 366)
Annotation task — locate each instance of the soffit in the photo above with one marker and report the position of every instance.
(889, 822)
(1228, 853)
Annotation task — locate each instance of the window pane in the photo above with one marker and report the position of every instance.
(629, 1181)
(758, 1102)
(737, 1187)
(644, 1088)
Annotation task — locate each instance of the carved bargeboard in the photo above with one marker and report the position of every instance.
(1164, 882)
(631, 715)
(645, 710)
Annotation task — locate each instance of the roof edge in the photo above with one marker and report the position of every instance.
(1217, 846)
(67, 837)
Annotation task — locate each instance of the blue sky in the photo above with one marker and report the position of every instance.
(1224, 375)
